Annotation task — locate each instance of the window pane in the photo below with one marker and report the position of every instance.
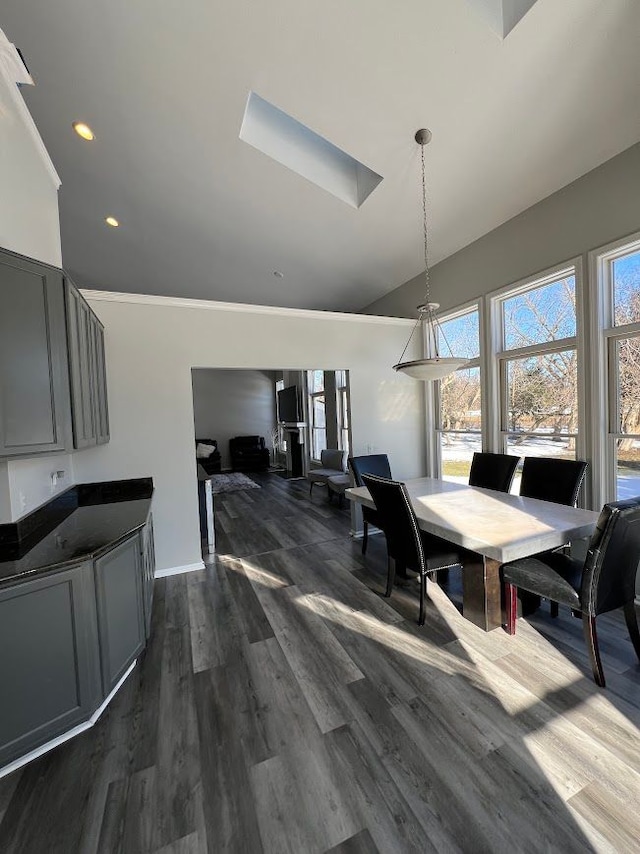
(626, 289)
(457, 452)
(461, 335)
(542, 394)
(544, 314)
(628, 468)
(315, 380)
(460, 400)
(628, 371)
(319, 442)
(318, 412)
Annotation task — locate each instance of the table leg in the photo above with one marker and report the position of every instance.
(481, 593)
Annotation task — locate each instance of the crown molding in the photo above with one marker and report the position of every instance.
(14, 72)
(242, 308)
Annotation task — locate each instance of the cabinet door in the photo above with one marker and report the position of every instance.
(148, 571)
(101, 408)
(79, 332)
(34, 390)
(120, 609)
(49, 667)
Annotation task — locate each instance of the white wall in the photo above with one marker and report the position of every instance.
(233, 403)
(29, 225)
(151, 349)
(598, 208)
(29, 221)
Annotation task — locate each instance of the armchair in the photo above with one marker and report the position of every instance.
(248, 453)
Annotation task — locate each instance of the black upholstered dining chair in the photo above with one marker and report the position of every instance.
(407, 546)
(552, 480)
(603, 582)
(493, 471)
(369, 464)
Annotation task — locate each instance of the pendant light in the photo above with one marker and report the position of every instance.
(433, 366)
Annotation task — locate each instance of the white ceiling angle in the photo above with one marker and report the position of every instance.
(502, 15)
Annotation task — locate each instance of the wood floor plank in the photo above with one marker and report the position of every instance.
(229, 812)
(301, 635)
(300, 802)
(609, 816)
(361, 843)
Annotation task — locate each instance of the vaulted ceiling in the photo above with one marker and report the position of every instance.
(164, 85)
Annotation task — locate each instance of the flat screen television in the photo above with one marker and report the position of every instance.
(289, 405)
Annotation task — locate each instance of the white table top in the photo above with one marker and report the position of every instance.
(495, 524)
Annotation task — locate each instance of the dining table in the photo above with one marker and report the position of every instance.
(492, 528)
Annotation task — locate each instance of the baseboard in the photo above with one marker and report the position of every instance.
(178, 570)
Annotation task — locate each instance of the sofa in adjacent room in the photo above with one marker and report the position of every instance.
(208, 455)
(248, 453)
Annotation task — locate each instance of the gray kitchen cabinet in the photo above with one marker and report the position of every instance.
(87, 372)
(119, 597)
(34, 388)
(148, 558)
(50, 666)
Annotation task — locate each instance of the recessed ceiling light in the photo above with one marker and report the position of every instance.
(112, 221)
(84, 131)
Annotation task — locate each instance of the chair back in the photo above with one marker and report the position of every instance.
(552, 480)
(493, 471)
(609, 574)
(333, 459)
(398, 521)
(369, 464)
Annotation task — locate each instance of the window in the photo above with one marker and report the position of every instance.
(620, 288)
(537, 367)
(458, 398)
(317, 413)
(279, 441)
(342, 410)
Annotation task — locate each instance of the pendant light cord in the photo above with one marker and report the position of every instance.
(424, 227)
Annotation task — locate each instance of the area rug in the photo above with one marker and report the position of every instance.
(232, 482)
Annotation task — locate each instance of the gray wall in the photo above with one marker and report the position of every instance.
(598, 208)
(229, 403)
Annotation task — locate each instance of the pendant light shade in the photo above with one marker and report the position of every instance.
(433, 366)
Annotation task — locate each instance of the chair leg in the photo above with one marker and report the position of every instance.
(511, 602)
(391, 574)
(632, 625)
(423, 589)
(365, 537)
(310, 487)
(553, 608)
(591, 639)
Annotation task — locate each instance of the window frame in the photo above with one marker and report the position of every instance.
(498, 357)
(311, 397)
(604, 381)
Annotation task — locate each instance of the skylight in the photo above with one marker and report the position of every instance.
(300, 149)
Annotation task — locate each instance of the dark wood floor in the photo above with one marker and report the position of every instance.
(283, 705)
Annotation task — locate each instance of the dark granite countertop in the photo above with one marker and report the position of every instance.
(103, 515)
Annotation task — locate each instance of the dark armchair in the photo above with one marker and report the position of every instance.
(208, 455)
(248, 453)
(603, 582)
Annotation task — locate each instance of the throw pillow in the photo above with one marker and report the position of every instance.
(203, 451)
